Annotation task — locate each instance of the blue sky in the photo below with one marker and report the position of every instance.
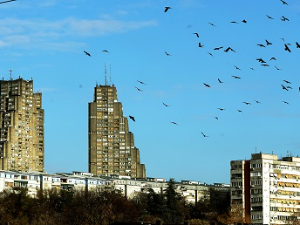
(45, 40)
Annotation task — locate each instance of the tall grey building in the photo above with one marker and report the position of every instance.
(21, 126)
(111, 144)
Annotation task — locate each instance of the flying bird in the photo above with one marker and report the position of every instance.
(221, 82)
(206, 85)
(88, 54)
(237, 68)
(106, 51)
(257, 101)
(283, 18)
(167, 53)
(141, 82)
(284, 87)
(236, 77)
(212, 24)
(273, 58)
(297, 45)
(218, 48)
(221, 109)
(247, 103)
(270, 17)
(286, 81)
(234, 22)
(268, 43)
(239, 110)
(261, 60)
(204, 135)
(284, 2)
(165, 104)
(264, 64)
(286, 48)
(196, 34)
(167, 8)
(210, 54)
(200, 45)
(216, 118)
(174, 123)
(277, 68)
(132, 118)
(7, 1)
(261, 45)
(138, 89)
(285, 102)
(229, 49)
(244, 21)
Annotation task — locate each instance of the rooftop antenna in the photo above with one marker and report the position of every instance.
(105, 73)
(10, 74)
(110, 74)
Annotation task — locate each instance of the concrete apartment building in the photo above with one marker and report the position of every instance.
(266, 189)
(111, 144)
(79, 181)
(21, 126)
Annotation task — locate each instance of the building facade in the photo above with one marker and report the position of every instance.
(111, 144)
(269, 186)
(21, 126)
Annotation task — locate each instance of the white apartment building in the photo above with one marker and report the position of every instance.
(271, 188)
(78, 181)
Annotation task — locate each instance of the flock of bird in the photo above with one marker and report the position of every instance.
(263, 62)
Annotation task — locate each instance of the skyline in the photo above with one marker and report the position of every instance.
(46, 42)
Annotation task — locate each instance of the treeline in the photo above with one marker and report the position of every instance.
(55, 207)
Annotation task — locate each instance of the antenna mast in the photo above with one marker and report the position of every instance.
(10, 74)
(105, 73)
(110, 74)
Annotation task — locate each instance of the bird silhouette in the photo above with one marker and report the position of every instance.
(286, 102)
(270, 17)
(204, 135)
(221, 109)
(236, 77)
(257, 101)
(247, 103)
(138, 89)
(212, 24)
(168, 54)
(167, 8)
(261, 60)
(88, 54)
(277, 68)
(105, 51)
(268, 43)
(165, 104)
(239, 110)
(297, 45)
(200, 45)
(210, 54)
(7, 1)
(132, 118)
(237, 68)
(216, 118)
(284, 2)
(244, 21)
(284, 87)
(261, 45)
(196, 34)
(272, 58)
(174, 123)
(264, 64)
(206, 85)
(218, 48)
(221, 82)
(286, 48)
(283, 18)
(286, 81)
(141, 82)
(229, 49)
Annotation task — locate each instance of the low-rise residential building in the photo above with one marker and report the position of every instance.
(78, 181)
